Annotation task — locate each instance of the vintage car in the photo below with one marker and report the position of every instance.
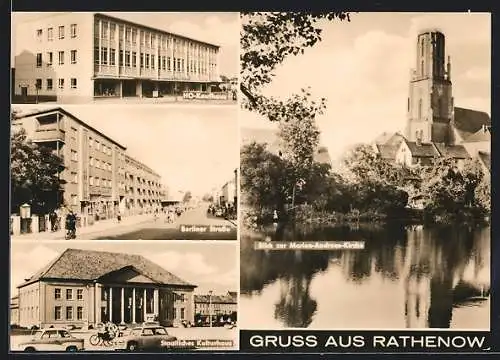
(147, 337)
(52, 339)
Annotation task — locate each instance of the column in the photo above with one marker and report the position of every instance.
(138, 52)
(110, 309)
(122, 308)
(133, 305)
(144, 305)
(97, 303)
(100, 43)
(117, 48)
(156, 303)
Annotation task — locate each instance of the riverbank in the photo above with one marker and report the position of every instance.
(306, 215)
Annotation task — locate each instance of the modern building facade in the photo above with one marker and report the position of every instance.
(229, 191)
(435, 127)
(143, 189)
(14, 310)
(214, 305)
(99, 178)
(82, 288)
(77, 57)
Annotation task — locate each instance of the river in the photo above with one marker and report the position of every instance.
(406, 277)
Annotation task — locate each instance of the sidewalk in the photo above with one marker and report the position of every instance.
(98, 226)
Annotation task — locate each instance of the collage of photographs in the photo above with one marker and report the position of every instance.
(177, 179)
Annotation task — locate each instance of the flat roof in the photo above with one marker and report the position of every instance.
(67, 113)
(155, 29)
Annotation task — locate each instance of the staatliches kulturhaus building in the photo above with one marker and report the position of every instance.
(99, 177)
(78, 57)
(84, 287)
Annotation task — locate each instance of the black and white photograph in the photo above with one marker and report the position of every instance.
(365, 160)
(105, 296)
(122, 57)
(113, 172)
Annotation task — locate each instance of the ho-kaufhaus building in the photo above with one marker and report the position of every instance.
(99, 177)
(77, 57)
(82, 287)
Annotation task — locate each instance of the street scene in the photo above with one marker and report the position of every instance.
(385, 143)
(171, 177)
(138, 58)
(122, 297)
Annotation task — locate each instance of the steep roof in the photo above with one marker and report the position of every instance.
(485, 158)
(422, 150)
(216, 299)
(389, 138)
(468, 122)
(483, 134)
(387, 151)
(89, 265)
(452, 151)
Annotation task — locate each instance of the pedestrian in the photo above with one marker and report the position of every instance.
(119, 216)
(53, 221)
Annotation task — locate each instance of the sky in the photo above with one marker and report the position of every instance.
(218, 28)
(363, 69)
(192, 148)
(211, 266)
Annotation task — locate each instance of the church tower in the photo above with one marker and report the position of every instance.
(430, 101)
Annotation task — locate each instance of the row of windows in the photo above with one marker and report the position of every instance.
(61, 33)
(69, 294)
(129, 59)
(100, 164)
(93, 143)
(49, 83)
(50, 58)
(95, 181)
(69, 313)
(149, 39)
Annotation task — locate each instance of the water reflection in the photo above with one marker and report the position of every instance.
(406, 277)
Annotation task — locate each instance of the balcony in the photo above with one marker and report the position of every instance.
(50, 134)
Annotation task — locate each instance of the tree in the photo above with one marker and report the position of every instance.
(448, 189)
(34, 175)
(187, 197)
(208, 198)
(265, 178)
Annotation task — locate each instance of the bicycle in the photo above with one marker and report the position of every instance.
(102, 338)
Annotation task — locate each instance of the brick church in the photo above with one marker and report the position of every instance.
(435, 127)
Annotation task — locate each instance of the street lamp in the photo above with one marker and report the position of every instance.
(210, 307)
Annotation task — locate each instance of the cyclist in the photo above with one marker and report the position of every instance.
(71, 225)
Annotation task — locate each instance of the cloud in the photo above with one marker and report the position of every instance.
(25, 264)
(477, 73)
(189, 262)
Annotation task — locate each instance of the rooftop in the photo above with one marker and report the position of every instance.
(106, 15)
(485, 158)
(452, 151)
(422, 150)
(90, 265)
(36, 113)
(467, 122)
(229, 298)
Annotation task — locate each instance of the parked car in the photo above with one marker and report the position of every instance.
(53, 339)
(146, 337)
